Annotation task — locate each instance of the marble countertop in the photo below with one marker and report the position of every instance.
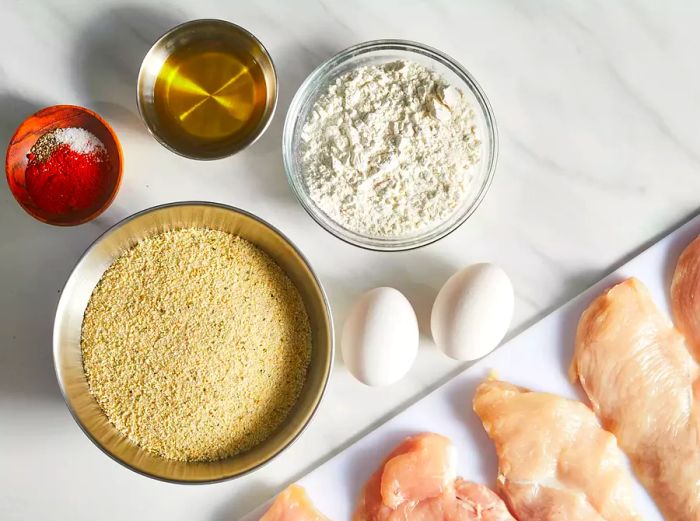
(598, 111)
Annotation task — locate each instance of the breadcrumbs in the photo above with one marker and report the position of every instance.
(195, 344)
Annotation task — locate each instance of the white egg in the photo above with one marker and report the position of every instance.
(472, 312)
(380, 337)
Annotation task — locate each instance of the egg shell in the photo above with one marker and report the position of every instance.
(472, 312)
(380, 336)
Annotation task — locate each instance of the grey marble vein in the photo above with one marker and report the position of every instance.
(652, 114)
(574, 175)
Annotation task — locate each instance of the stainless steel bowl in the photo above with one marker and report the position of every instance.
(77, 292)
(188, 34)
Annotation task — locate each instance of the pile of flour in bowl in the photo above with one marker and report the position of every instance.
(389, 150)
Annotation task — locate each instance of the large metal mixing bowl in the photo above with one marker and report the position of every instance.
(77, 292)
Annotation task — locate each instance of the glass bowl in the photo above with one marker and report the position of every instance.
(372, 53)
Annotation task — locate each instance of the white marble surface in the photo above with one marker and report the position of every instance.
(598, 109)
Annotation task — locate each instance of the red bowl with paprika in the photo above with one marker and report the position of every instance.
(64, 165)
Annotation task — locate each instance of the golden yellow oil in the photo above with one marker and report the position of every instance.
(208, 93)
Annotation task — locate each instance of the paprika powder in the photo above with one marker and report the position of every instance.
(67, 171)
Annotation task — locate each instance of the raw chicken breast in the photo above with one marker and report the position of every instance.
(476, 502)
(417, 482)
(420, 467)
(292, 504)
(685, 296)
(643, 383)
(555, 461)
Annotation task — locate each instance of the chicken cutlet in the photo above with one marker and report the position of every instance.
(643, 383)
(292, 504)
(555, 462)
(418, 482)
(685, 296)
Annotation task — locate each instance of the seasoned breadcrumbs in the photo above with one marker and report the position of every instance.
(195, 344)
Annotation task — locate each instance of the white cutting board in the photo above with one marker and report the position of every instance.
(538, 358)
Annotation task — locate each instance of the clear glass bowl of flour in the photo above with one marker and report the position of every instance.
(375, 53)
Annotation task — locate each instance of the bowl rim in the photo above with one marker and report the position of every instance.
(328, 369)
(365, 48)
(167, 34)
(119, 162)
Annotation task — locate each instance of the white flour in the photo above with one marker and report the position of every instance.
(389, 149)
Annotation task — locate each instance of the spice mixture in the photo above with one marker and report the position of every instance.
(196, 344)
(67, 171)
(389, 149)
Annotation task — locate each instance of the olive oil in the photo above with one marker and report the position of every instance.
(207, 94)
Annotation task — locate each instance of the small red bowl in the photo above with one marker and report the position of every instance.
(47, 120)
